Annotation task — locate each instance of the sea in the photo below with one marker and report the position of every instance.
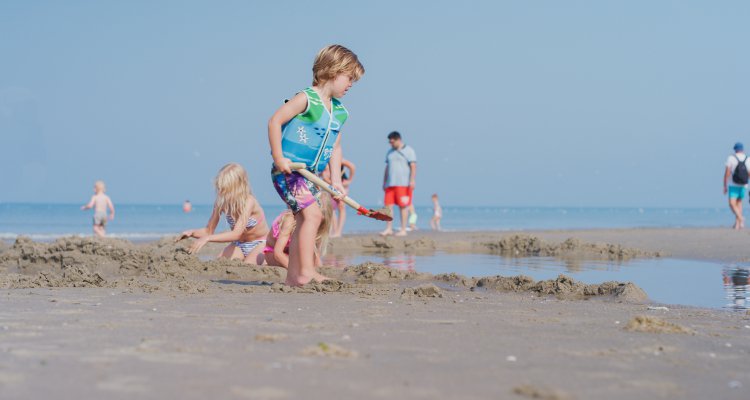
(145, 222)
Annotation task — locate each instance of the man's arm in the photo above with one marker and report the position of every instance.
(727, 174)
(385, 176)
(412, 174)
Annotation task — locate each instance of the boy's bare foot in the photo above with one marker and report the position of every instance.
(400, 233)
(302, 280)
(386, 232)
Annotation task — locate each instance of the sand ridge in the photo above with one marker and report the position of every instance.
(165, 265)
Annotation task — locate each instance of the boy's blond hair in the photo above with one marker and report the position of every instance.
(333, 60)
(232, 190)
(99, 186)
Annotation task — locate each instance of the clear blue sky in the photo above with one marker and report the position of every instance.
(539, 103)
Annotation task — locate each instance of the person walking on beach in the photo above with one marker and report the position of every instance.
(306, 130)
(399, 180)
(735, 182)
(100, 202)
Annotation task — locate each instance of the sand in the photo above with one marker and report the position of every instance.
(87, 318)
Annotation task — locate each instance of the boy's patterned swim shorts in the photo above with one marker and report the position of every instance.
(296, 191)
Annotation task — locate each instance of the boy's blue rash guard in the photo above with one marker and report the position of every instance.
(309, 137)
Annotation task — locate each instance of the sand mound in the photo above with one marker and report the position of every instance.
(95, 262)
(526, 246)
(565, 287)
(423, 291)
(378, 273)
(644, 323)
(383, 243)
(455, 279)
(534, 392)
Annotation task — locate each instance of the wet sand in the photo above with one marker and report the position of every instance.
(85, 318)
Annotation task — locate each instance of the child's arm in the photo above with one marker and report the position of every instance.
(90, 203)
(351, 166)
(284, 114)
(228, 236)
(111, 209)
(210, 227)
(335, 165)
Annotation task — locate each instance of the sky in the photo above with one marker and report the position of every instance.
(506, 103)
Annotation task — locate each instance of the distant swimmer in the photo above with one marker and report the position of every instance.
(735, 182)
(187, 207)
(100, 202)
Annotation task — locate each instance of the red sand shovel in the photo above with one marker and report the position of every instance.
(383, 214)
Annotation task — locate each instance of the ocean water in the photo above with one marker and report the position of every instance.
(152, 221)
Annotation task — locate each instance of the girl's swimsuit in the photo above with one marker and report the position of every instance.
(246, 247)
(276, 230)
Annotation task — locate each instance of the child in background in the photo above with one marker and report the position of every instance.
(306, 130)
(412, 218)
(337, 222)
(100, 202)
(437, 213)
(244, 215)
(276, 252)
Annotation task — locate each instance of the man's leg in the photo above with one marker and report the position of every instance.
(736, 206)
(404, 219)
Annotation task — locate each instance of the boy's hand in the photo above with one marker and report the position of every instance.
(198, 244)
(112, 217)
(284, 165)
(339, 188)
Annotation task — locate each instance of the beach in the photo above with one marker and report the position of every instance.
(86, 318)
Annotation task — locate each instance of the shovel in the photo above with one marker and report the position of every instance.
(383, 214)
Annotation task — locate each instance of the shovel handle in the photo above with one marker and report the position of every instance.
(301, 168)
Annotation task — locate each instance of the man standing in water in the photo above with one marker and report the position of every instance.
(735, 182)
(399, 180)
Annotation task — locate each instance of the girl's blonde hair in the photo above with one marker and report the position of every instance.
(321, 239)
(333, 60)
(232, 190)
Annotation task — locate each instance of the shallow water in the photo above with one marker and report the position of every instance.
(665, 280)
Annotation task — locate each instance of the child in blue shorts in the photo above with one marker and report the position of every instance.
(306, 130)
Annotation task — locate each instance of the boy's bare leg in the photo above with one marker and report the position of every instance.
(99, 231)
(389, 225)
(302, 249)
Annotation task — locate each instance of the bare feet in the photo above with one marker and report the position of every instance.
(302, 280)
(386, 232)
(400, 233)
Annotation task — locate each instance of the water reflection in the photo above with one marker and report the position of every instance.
(736, 286)
(666, 281)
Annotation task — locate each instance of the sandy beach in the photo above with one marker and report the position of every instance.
(85, 318)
